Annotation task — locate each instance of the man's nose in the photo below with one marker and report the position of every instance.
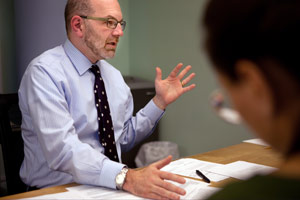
(118, 31)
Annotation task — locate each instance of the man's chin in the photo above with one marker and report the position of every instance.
(110, 54)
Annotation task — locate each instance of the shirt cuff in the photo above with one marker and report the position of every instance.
(109, 172)
(153, 112)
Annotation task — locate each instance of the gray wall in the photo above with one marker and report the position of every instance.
(39, 26)
(164, 33)
(122, 59)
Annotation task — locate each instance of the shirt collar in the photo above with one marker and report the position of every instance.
(79, 61)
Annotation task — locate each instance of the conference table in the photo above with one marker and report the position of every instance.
(244, 151)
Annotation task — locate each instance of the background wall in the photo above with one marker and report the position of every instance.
(122, 59)
(159, 33)
(39, 26)
(164, 33)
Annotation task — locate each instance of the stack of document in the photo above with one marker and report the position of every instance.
(216, 172)
(242, 170)
(195, 190)
(188, 166)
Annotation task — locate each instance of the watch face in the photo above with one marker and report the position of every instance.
(120, 179)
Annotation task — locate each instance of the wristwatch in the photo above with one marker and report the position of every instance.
(120, 178)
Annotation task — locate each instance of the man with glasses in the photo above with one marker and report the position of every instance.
(77, 109)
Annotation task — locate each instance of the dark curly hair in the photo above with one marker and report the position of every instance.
(266, 32)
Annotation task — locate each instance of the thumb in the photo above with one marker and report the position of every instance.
(160, 164)
(158, 74)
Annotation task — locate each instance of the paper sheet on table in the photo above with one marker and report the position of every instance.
(87, 192)
(194, 189)
(257, 141)
(242, 169)
(58, 196)
(94, 192)
(188, 166)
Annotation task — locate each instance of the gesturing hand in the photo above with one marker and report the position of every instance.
(149, 182)
(169, 89)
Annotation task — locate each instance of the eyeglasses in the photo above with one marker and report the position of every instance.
(110, 22)
(219, 104)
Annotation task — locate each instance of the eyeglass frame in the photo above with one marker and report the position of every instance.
(106, 19)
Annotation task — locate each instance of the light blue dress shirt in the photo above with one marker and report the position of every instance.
(59, 120)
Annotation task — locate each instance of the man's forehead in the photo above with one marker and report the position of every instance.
(106, 7)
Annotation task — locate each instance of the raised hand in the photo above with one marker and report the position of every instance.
(149, 182)
(171, 88)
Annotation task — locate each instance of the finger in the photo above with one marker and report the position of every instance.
(171, 177)
(165, 193)
(171, 187)
(160, 164)
(158, 74)
(188, 79)
(184, 71)
(155, 196)
(175, 71)
(188, 88)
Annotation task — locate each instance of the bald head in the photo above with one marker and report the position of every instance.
(85, 7)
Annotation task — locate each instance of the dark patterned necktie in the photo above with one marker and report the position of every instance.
(106, 130)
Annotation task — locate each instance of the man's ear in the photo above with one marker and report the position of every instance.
(255, 84)
(77, 26)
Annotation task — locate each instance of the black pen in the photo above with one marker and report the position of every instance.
(202, 176)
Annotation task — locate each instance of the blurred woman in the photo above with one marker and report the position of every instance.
(254, 46)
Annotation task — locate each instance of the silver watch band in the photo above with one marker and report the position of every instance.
(120, 178)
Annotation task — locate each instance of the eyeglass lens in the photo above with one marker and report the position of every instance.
(113, 23)
(217, 101)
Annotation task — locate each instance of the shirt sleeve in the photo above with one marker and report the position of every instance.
(56, 134)
(141, 126)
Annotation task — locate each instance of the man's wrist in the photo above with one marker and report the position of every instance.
(128, 182)
(159, 103)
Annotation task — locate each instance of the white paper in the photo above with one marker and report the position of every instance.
(94, 192)
(58, 196)
(188, 167)
(257, 141)
(196, 189)
(242, 169)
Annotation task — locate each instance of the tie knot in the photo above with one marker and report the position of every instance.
(95, 70)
